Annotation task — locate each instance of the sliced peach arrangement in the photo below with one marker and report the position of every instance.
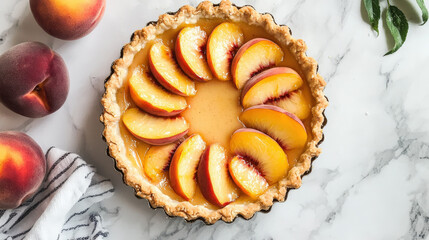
(253, 57)
(271, 97)
(224, 40)
(154, 130)
(262, 154)
(167, 72)
(276, 86)
(152, 98)
(190, 53)
(183, 166)
(213, 178)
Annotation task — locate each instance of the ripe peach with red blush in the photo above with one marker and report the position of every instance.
(34, 80)
(67, 19)
(22, 168)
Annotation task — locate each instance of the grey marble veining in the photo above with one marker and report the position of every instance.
(372, 179)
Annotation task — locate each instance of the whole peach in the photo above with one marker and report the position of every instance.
(34, 80)
(22, 168)
(68, 19)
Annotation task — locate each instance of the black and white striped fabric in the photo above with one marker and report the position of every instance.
(65, 205)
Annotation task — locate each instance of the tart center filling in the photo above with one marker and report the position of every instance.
(214, 111)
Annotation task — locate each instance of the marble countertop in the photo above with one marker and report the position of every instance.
(372, 179)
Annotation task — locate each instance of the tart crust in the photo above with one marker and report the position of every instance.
(111, 115)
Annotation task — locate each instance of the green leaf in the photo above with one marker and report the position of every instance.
(422, 6)
(398, 27)
(373, 9)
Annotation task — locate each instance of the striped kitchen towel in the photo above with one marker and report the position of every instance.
(65, 207)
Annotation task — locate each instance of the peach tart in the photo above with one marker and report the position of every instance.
(214, 112)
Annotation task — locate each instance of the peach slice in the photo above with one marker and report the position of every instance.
(154, 130)
(295, 103)
(215, 183)
(223, 42)
(263, 152)
(190, 53)
(253, 57)
(270, 84)
(157, 160)
(276, 86)
(168, 73)
(152, 98)
(183, 167)
(281, 125)
(247, 178)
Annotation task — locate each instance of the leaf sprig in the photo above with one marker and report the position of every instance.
(395, 20)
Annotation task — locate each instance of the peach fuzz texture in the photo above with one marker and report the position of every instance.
(34, 80)
(22, 168)
(66, 19)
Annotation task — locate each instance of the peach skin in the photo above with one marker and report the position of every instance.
(68, 19)
(22, 168)
(34, 80)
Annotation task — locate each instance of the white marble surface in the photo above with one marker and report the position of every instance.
(372, 180)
